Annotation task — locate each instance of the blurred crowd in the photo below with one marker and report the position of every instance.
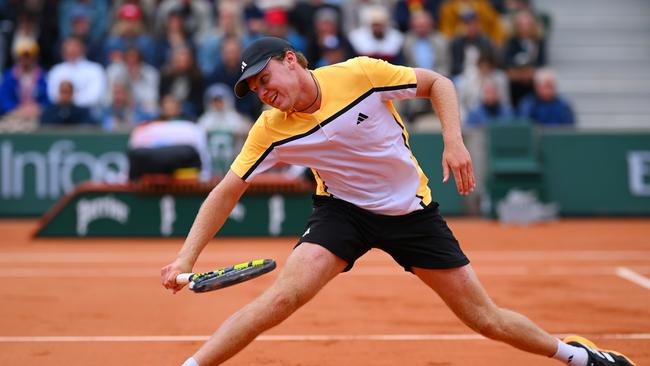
(115, 64)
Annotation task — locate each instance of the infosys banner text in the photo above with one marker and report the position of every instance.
(38, 169)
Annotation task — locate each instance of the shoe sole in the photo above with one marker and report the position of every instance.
(591, 344)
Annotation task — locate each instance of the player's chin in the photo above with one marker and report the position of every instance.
(279, 103)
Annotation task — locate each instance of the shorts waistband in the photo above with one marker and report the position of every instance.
(322, 200)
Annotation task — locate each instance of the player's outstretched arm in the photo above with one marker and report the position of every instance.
(212, 215)
(455, 157)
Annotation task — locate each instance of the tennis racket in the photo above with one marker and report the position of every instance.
(227, 276)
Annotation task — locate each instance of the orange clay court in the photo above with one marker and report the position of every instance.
(100, 302)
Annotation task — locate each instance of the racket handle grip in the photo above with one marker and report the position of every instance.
(184, 278)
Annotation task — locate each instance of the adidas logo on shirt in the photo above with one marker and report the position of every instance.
(361, 117)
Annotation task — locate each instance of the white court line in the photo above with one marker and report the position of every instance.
(291, 338)
(633, 277)
(112, 272)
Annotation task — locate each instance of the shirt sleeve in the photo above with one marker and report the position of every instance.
(257, 155)
(391, 81)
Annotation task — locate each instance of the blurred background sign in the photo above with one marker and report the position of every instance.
(39, 168)
(585, 173)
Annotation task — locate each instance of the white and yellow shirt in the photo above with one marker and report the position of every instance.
(356, 143)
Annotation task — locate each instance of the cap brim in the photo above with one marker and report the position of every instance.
(241, 87)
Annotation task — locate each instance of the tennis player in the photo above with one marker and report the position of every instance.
(371, 193)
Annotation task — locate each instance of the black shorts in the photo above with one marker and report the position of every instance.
(418, 239)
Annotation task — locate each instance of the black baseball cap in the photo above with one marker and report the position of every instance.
(255, 58)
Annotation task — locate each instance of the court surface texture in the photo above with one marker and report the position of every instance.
(100, 302)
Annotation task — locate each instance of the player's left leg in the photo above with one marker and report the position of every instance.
(461, 290)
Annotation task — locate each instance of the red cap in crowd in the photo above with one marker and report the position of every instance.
(129, 12)
(276, 17)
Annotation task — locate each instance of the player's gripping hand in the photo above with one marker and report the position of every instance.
(456, 158)
(168, 275)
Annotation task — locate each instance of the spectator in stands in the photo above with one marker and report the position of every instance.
(183, 79)
(226, 127)
(81, 28)
(467, 47)
(147, 7)
(453, 19)
(546, 106)
(64, 112)
(405, 9)
(525, 51)
(229, 71)
(377, 37)
(30, 19)
(490, 108)
(170, 108)
(26, 27)
(327, 38)
(88, 78)
(142, 80)
(229, 24)
(129, 32)
(122, 113)
(98, 11)
(302, 15)
(277, 25)
(196, 16)
(469, 83)
(220, 114)
(424, 46)
(23, 89)
(356, 11)
(333, 52)
(29, 23)
(173, 37)
(254, 27)
(513, 7)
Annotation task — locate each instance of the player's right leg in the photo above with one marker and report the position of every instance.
(308, 268)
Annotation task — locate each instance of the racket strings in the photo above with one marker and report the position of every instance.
(220, 272)
(224, 277)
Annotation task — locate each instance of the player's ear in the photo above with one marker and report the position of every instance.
(291, 59)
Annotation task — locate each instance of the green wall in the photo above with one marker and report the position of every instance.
(597, 173)
(37, 169)
(101, 212)
(585, 173)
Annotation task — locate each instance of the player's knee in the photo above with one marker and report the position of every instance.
(316, 256)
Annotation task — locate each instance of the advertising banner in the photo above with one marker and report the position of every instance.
(38, 169)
